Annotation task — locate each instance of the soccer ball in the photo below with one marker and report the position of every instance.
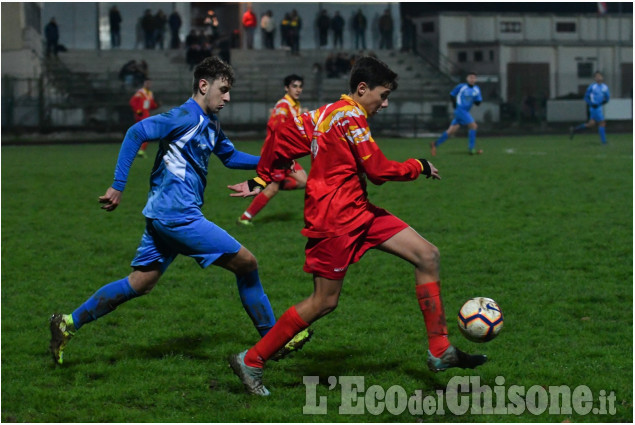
(480, 319)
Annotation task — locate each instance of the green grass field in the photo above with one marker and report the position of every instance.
(541, 224)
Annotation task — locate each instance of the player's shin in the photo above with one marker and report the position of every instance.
(102, 302)
(255, 301)
(471, 135)
(602, 133)
(289, 324)
(429, 296)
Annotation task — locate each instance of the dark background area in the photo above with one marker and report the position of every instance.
(418, 9)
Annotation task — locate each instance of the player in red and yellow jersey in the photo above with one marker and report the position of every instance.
(142, 102)
(340, 221)
(286, 110)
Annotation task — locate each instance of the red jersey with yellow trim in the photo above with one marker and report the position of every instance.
(141, 103)
(343, 156)
(286, 109)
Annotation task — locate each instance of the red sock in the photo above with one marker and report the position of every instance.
(143, 147)
(289, 183)
(254, 208)
(429, 296)
(289, 324)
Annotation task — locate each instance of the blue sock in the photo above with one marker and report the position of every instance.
(255, 301)
(602, 131)
(471, 137)
(102, 302)
(441, 139)
(580, 127)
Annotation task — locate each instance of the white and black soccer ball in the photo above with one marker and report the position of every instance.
(480, 319)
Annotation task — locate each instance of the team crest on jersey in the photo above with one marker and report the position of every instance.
(314, 145)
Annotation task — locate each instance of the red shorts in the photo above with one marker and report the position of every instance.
(330, 257)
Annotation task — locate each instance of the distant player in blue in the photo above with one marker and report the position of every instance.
(596, 95)
(463, 97)
(175, 224)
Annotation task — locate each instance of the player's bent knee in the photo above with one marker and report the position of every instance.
(429, 258)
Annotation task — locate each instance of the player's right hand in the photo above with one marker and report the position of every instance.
(110, 199)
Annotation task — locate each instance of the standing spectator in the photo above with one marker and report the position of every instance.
(337, 24)
(294, 32)
(142, 102)
(175, 25)
(285, 26)
(52, 34)
(385, 30)
(147, 24)
(211, 26)
(249, 23)
(268, 27)
(597, 94)
(323, 24)
(408, 35)
(359, 26)
(114, 19)
(160, 22)
(139, 33)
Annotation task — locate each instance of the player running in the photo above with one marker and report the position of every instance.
(597, 94)
(287, 109)
(340, 222)
(463, 97)
(175, 224)
(142, 102)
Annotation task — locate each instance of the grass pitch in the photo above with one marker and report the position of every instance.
(541, 224)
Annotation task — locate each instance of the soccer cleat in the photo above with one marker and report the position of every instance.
(141, 154)
(453, 357)
(294, 345)
(571, 132)
(476, 151)
(242, 222)
(62, 330)
(433, 149)
(250, 376)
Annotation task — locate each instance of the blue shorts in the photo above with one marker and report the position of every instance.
(199, 238)
(462, 117)
(596, 114)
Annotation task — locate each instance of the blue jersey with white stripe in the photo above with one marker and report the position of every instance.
(466, 95)
(187, 137)
(597, 94)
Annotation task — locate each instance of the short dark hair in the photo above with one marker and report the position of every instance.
(373, 72)
(291, 78)
(470, 73)
(210, 69)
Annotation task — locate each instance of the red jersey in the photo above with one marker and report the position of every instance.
(141, 103)
(343, 155)
(286, 109)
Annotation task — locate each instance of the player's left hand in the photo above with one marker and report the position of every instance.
(429, 170)
(242, 190)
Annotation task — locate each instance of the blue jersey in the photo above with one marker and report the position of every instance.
(187, 137)
(597, 94)
(466, 96)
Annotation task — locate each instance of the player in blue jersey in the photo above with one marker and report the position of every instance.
(175, 224)
(463, 97)
(596, 95)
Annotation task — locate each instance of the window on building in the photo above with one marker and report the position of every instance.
(462, 57)
(565, 27)
(585, 69)
(478, 56)
(510, 26)
(491, 56)
(427, 26)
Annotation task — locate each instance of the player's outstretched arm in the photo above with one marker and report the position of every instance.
(433, 172)
(110, 199)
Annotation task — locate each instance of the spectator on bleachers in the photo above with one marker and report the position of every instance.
(147, 24)
(295, 27)
(385, 30)
(249, 24)
(323, 25)
(52, 34)
(175, 26)
(160, 22)
(359, 27)
(285, 25)
(212, 30)
(114, 20)
(268, 27)
(337, 24)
